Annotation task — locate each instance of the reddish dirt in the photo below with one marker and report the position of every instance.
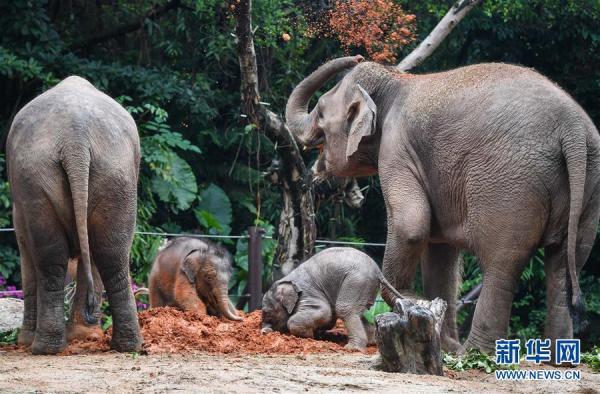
(169, 330)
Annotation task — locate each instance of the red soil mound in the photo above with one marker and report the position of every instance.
(169, 330)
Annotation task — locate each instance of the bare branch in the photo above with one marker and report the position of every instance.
(458, 11)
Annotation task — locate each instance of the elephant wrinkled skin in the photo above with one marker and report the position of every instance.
(73, 157)
(491, 158)
(193, 275)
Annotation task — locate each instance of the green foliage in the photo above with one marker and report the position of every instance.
(473, 359)
(9, 337)
(9, 262)
(592, 359)
(214, 210)
(378, 308)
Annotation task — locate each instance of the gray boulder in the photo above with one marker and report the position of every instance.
(11, 314)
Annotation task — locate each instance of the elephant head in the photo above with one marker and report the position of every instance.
(343, 121)
(210, 271)
(278, 305)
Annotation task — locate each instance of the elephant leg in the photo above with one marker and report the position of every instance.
(156, 298)
(49, 254)
(187, 298)
(78, 328)
(357, 335)
(558, 319)
(306, 322)
(113, 264)
(112, 226)
(440, 269)
(369, 330)
(408, 223)
(28, 282)
(559, 323)
(354, 296)
(492, 312)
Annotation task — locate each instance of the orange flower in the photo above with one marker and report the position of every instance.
(380, 27)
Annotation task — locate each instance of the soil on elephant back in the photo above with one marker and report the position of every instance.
(169, 330)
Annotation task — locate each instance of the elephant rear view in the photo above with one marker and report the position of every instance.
(73, 158)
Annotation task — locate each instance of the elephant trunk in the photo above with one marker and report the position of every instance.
(225, 307)
(298, 119)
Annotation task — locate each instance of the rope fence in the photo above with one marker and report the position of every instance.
(255, 263)
(216, 236)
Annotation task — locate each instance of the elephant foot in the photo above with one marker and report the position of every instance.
(40, 347)
(450, 344)
(131, 341)
(83, 332)
(26, 337)
(126, 346)
(356, 346)
(483, 347)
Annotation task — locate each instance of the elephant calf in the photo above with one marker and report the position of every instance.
(337, 282)
(192, 274)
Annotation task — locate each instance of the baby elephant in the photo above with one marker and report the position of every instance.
(337, 282)
(192, 274)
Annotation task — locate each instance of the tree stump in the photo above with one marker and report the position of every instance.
(409, 337)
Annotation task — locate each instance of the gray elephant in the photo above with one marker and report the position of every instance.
(491, 158)
(334, 283)
(73, 157)
(193, 275)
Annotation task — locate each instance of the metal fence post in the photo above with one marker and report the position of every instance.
(255, 267)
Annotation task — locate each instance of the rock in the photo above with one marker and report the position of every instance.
(409, 337)
(11, 314)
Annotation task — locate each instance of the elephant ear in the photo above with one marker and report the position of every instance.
(190, 266)
(362, 114)
(287, 294)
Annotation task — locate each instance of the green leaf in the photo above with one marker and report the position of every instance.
(214, 201)
(177, 184)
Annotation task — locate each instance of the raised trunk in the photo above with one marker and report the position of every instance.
(298, 119)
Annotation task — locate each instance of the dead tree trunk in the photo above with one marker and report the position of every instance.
(409, 337)
(297, 230)
(458, 11)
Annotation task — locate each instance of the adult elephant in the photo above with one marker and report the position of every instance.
(491, 158)
(73, 157)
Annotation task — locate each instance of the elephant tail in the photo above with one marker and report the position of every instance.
(575, 152)
(388, 292)
(75, 161)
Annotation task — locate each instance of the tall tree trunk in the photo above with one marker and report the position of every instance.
(297, 230)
